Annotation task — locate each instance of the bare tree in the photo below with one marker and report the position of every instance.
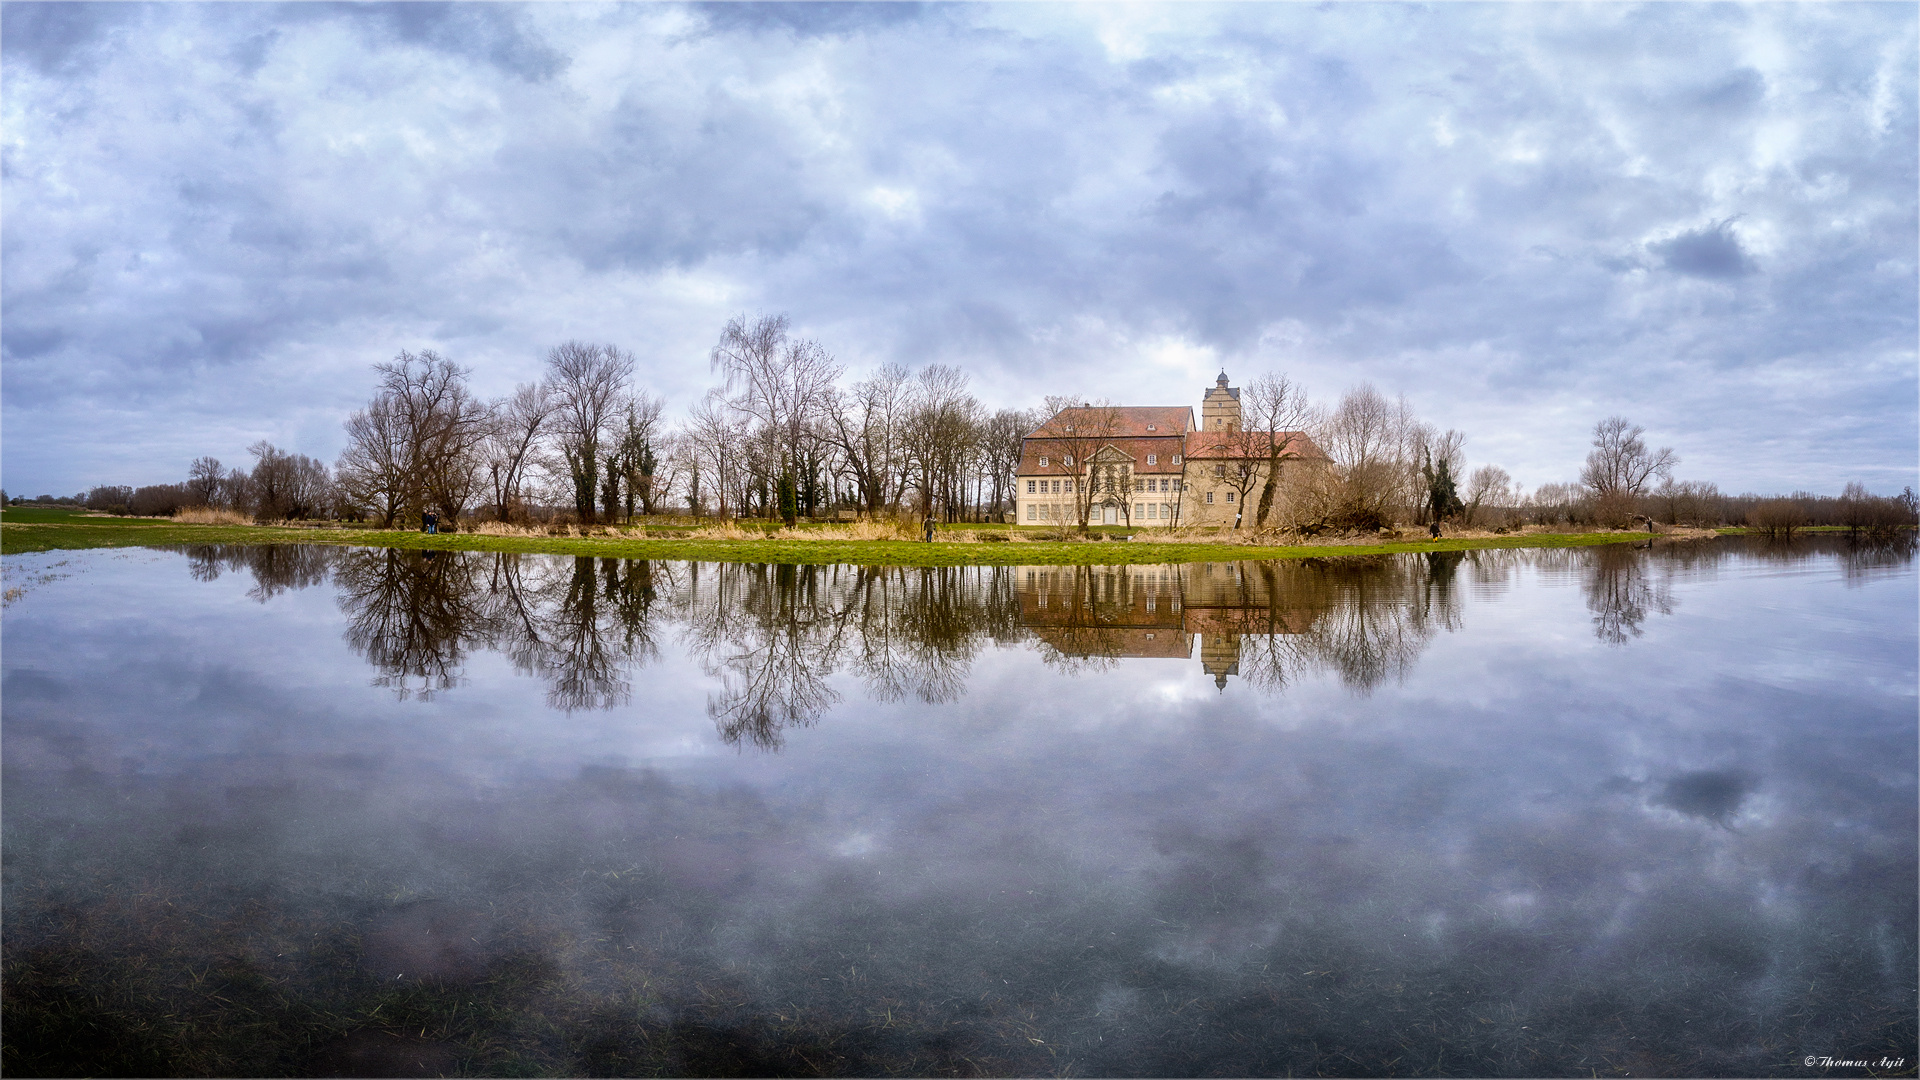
(1369, 440)
(587, 382)
(865, 426)
(372, 471)
(1488, 486)
(519, 422)
(1277, 413)
(203, 480)
(714, 448)
(1620, 467)
(940, 438)
(1620, 462)
(287, 486)
(1001, 436)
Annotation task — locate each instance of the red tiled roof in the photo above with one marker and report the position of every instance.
(1247, 444)
(1117, 422)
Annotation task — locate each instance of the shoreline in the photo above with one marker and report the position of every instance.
(19, 538)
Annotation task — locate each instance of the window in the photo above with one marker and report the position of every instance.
(1163, 485)
(1033, 511)
(1043, 461)
(1056, 487)
(1176, 459)
(1152, 459)
(1068, 460)
(1030, 487)
(1209, 498)
(1166, 511)
(1219, 470)
(1229, 496)
(1150, 427)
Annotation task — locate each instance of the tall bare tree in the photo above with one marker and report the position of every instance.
(520, 420)
(203, 480)
(1369, 439)
(1489, 486)
(372, 471)
(1276, 411)
(865, 426)
(587, 382)
(1620, 463)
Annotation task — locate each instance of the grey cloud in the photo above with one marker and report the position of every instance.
(493, 33)
(55, 37)
(1712, 252)
(830, 17)
(1028, 191)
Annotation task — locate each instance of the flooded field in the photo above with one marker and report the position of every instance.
(1608, 811)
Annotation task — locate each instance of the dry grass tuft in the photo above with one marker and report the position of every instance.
(725, 530)
(858, 530)
(506, 528)
(206, 515)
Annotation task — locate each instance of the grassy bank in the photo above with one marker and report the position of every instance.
(30, 530)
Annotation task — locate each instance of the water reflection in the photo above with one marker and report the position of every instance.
(773, 636)
(1470, 825)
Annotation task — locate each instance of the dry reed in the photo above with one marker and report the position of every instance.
(206, 515)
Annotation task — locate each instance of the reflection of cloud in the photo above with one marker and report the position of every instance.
(1714, 796)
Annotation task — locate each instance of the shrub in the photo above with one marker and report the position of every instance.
(1776, 517)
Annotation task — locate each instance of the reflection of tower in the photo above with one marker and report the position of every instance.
(1220, 406)
(1220, 656)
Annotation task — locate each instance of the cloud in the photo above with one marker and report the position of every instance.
(1712, 252)
(204, 201)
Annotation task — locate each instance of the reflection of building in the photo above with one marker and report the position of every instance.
(1148, 465)
(1158, 611)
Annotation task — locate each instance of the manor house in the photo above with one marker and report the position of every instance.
(1150, 464)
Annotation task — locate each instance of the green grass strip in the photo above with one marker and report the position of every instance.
(43, 530)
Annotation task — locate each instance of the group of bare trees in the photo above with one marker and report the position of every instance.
(583, 437)
(780, 437)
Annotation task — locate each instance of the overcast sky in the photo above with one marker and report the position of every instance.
(1524, 217)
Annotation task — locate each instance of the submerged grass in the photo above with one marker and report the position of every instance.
(869, 544)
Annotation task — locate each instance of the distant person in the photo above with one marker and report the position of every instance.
(430, 521)
(929, 538)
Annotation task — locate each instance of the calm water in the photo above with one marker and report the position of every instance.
(1612, 811)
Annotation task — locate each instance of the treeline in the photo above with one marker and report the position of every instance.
(783, 435)
(779, 437)
(1387, 468)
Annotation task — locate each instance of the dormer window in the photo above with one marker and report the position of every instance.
(1153, 459)
(1043, 461)
(1176, 459)
(1150, 427)
(1068, 460)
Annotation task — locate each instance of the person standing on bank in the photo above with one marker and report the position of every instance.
(430, 522)
(929, 529)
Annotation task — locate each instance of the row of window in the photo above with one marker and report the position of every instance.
(1152, 459)
(1142, 511)
(1040, 487)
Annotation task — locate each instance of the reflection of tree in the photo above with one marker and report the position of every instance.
(1865, 557)
(578, 623)
(1622, 590)
(412, 614)
(774, 634)
(276, 568)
